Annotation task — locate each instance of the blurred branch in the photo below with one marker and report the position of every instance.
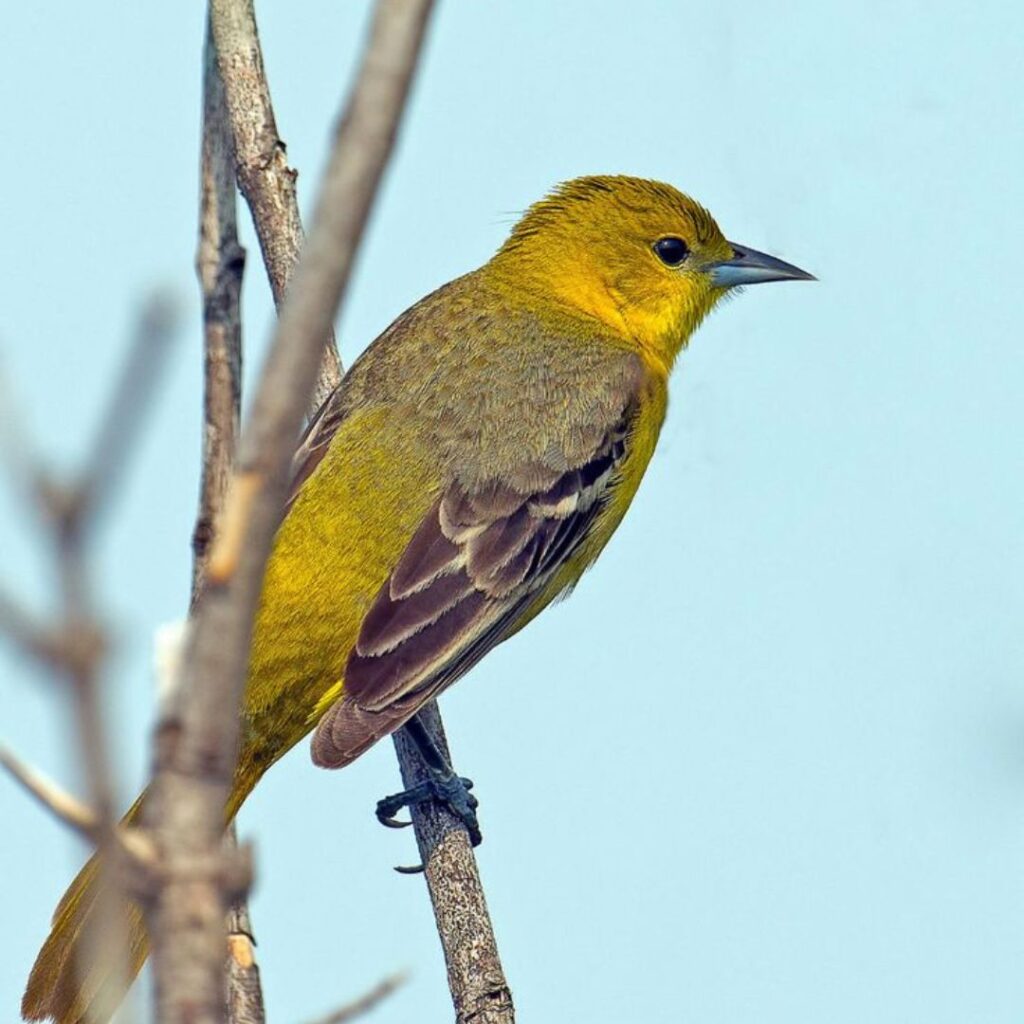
(261, 161)
(365, 1003)
(118, 431)
(64, 807)
(72, 812)
(480, 993)
(220, 262)
(74, 646)
(197, 735)
(28, 635)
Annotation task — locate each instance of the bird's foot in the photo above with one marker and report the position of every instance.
(444, 787)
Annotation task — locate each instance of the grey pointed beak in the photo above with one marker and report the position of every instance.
(748, 266)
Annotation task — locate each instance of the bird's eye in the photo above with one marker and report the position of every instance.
(671, 251)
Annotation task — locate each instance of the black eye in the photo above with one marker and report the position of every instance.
(671, 251)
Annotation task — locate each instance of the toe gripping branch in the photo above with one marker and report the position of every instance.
(442, 785)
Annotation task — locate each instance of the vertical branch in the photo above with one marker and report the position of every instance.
(220, 261)
(198, 732)
(261, 160)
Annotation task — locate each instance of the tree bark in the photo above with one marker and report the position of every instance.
(476, 979)
(264, 176)
(220, 261)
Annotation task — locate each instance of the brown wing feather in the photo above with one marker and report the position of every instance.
(315, 441)
(474, 564)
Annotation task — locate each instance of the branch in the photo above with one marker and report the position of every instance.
(28, 635)
(63, 806)
(220, 261)
(74, 646)
(71, 812)
(476, 979)
(197, 736)
(261, 161)
(155, 328)
(365, 1003)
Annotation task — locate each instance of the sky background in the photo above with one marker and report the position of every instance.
(779, 774)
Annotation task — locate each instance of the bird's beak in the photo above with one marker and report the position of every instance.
(748, 266)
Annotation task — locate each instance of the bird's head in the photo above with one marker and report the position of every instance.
(646, 260)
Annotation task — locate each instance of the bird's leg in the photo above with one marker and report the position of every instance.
(441, 784)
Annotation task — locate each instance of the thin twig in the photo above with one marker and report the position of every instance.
(197, 735)
(26, 633)
(154, 330)
(365, 1003)
(74, 647)
(70, 811)
(476, 979)
(245, 992)
(62, 805)
(220, 262)
(20, 460)
(264, 177)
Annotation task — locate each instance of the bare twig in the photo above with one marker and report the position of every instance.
(264, 177)
(63, 806)
(73, 648)
(71, 812)
(116, 436)
(197, 735)
(245, 993)
(28, 635)
(220, 261)
(21, 462)
(476, 979)
(365, 1003)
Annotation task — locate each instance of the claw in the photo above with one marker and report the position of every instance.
(452, 790)
(417, 869)
(389, 822)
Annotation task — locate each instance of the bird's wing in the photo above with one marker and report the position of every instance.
(478, 559)
(315, 440)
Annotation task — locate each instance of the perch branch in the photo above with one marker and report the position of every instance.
(476, 979)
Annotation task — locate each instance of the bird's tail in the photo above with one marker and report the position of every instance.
(75, 978)
(67, 983)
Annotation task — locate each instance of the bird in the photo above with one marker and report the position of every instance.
(470, 467)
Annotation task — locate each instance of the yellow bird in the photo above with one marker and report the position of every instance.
(471, 466)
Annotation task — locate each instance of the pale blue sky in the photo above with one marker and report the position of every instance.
(779, 772)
